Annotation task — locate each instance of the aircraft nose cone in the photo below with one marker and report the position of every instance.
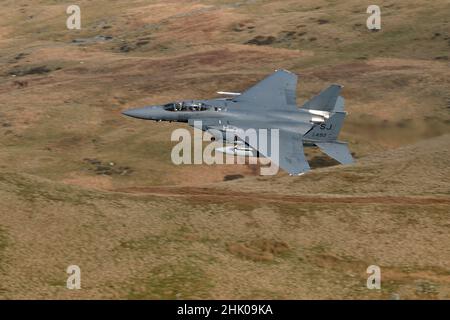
(140, 113)
(148, 113)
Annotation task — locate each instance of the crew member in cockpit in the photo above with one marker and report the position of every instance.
(178, 106)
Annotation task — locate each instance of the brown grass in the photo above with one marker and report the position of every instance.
(171, 232)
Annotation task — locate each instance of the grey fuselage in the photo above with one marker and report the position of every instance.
(220, 113)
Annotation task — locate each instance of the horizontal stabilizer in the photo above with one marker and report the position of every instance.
(336, 150)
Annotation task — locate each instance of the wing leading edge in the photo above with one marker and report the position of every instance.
(279, 90)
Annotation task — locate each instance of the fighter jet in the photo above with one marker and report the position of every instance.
(270, 104)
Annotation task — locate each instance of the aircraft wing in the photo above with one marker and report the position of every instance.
(276, 91)
(286, 151)
(291, 155)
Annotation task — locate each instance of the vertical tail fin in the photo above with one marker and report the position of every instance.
(327, 131)
(327, 100)
(325, 136)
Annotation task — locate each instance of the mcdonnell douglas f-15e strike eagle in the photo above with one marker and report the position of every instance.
(270, 104)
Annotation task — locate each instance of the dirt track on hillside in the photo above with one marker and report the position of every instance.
(217, 194)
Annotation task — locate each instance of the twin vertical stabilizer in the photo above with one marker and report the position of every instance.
(324, 135)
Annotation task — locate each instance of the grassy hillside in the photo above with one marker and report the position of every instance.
(81, 184)
(227, 246)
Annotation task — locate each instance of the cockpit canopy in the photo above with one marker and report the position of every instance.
(187, 106)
